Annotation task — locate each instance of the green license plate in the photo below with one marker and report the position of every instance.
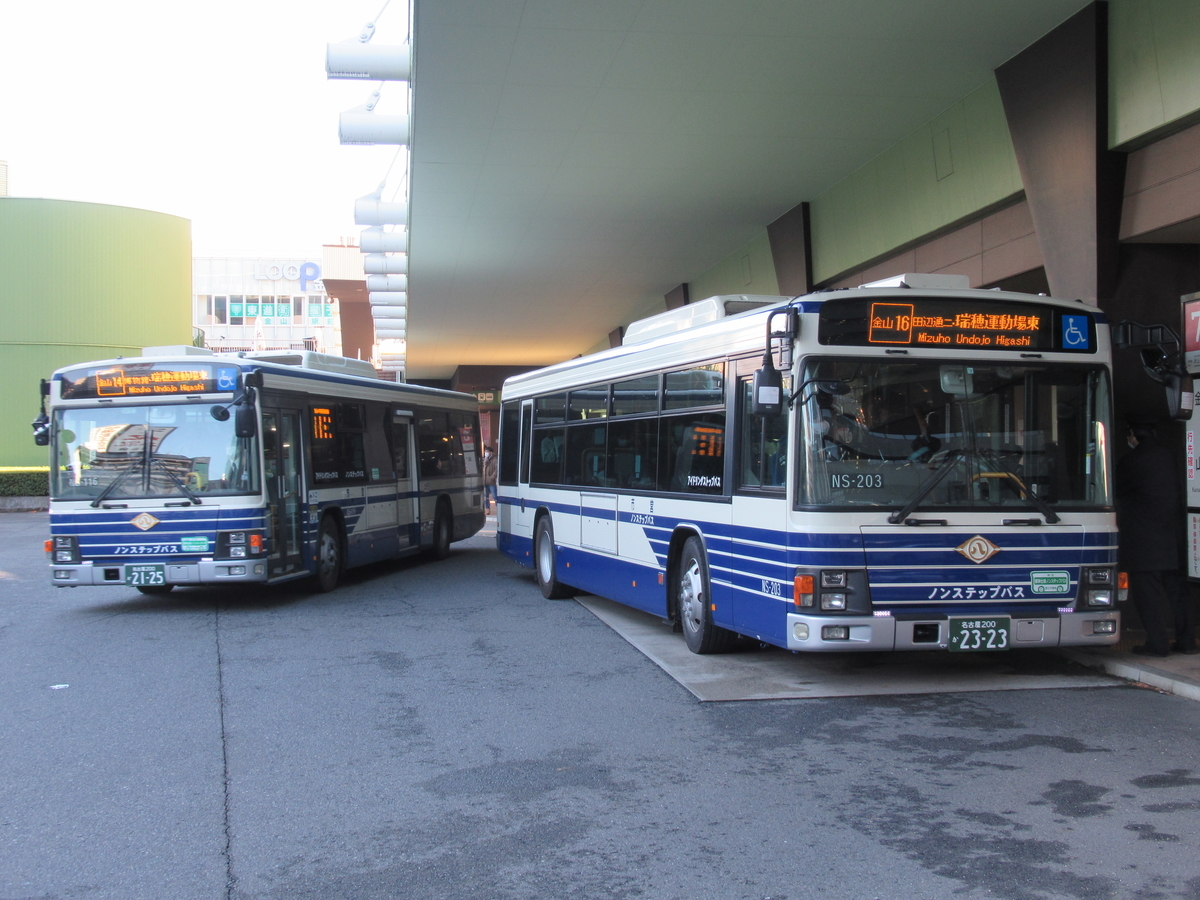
(145, 575)
(980, 633)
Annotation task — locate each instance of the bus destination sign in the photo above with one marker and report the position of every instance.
(900, 323)
(954, 324)
(148, 380)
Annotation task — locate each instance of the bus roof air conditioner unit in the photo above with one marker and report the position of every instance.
(923, 282)
(699, 313)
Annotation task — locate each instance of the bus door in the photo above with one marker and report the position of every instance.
(408, 504)
(281, 475)
(762, 583)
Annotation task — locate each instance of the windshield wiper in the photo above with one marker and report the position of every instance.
(1043, 507)
(926, 489)
(112, 485)
(175, 478)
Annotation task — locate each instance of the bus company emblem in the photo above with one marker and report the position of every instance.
(146, 521)
(978, 549)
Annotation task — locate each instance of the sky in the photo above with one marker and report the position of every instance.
(216, 111)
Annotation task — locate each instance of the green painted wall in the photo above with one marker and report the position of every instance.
(748, 270)
(947, 170)
(1153, 66)
(82, 281)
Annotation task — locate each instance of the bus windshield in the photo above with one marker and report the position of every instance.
(979, 435)
(126, 452)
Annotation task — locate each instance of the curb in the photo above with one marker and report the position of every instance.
(1122, 667)
(24, 504)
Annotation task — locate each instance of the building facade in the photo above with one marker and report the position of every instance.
(264, 303)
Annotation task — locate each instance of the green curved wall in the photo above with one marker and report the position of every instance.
(82, 281)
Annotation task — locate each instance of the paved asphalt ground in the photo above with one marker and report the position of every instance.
(438, 731)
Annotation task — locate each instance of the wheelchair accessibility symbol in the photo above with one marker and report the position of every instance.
(1075, 333)
(227, 379)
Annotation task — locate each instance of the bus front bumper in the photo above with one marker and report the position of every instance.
(231, 571)
(842, 634)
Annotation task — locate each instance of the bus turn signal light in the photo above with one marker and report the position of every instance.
(1122, 587)
(802, 590)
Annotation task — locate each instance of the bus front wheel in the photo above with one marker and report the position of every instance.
(694, 602)
(329, 556)
(545, 564)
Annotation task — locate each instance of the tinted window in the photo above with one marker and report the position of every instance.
(337, 442)
(510, 442)
(585, 462)
(698, 386)
(526, 441)
(633, 454)
(550, 409)
(590, 402)
(763, 447)
(439, 446)
(546, 458)
(692, 454)
(638, 395)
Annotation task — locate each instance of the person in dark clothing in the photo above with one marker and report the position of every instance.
(1150, 519)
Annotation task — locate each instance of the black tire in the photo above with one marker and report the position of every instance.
(545, 564)
(329, 555)
(155, 589)
(443, 531)
(693, 600)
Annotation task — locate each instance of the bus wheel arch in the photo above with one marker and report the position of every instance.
(545, 559)
(331, 550)
(691, 591)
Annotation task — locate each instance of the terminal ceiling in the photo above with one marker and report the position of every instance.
(574, 160)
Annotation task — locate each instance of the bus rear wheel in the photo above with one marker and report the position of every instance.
(694, 602)
(545, 564)
(329, 556)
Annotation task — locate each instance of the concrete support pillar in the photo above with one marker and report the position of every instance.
(1055, 95)
(791, 250)
(677, 296)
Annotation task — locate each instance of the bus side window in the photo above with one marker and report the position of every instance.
(510, 442)
(526, 440)
(379, 444)
(762, 447)
(399, 442)
(693, 453)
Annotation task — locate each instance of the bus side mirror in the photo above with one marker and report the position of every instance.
(41, 430)
(1180, 396)
(245, 418)
(767, 396)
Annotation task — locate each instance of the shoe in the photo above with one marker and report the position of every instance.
(1186, 651)
(1143, 650)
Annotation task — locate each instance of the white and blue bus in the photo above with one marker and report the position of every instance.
(907, 466)
(184, 467)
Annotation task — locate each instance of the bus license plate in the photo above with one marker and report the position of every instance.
(980, 633)
(145, 575)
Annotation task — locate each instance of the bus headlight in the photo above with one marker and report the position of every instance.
(1102, 597)
(1108, 626)
(239, 544)
(64, 548)
(833, 601)
(835, 632)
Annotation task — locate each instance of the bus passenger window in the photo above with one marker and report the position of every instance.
(547, 459)
(693, 453)
(585, 460)
(510, 442)
(633, 454)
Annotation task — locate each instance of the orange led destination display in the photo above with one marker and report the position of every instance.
(953, 323)
(899, 323)
(148, 380)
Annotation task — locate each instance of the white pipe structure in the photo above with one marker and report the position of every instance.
(371, 210)
(376, 240)
(389, 333)
(375, 62)
(388, 298)
(387, 282)
(363, 127)
(379, 264)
